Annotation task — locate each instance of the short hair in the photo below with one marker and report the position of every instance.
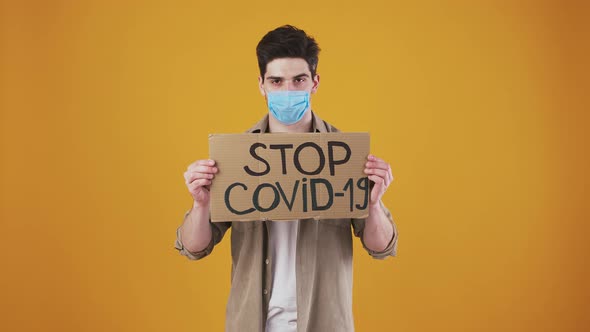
(287, 41)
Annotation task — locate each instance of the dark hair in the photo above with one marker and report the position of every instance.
(287, 42)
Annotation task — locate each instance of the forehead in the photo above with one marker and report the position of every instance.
(287, 67)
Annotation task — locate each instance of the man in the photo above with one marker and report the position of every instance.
(288, 275)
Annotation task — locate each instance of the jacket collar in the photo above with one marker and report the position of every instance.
(318, 125)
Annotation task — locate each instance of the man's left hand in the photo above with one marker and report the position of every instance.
(379, 172)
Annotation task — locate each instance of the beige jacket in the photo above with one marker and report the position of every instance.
(323, 271)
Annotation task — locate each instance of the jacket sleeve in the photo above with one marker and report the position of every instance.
(218, 230)
(358, 225)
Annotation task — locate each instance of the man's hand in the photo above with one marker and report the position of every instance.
(378, 229)
(380, 173)
(198, 178)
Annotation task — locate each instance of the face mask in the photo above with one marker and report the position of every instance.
(288, 106)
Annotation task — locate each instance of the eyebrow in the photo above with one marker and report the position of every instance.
(281, 78)
(301, 75)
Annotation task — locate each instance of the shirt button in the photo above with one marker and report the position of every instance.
(267, 261)
(265, 292)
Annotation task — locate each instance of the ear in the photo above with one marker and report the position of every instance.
(316, 83)
(261, 86)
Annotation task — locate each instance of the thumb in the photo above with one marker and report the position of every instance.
(377, 188)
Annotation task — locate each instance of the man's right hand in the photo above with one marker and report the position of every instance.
(198, 179)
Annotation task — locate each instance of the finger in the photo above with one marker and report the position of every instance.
(198, 183)
(372, 157)
(202, 162)
(203, 169)
(377, 164)
(384, 175)
(194, 167)
(192, 176)
(377, 187)
(390, 175)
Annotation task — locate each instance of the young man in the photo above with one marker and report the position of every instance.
(288, 275)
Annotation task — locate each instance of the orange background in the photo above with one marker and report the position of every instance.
(481, 107)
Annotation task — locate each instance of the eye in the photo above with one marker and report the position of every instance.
(300, 80)
(275, 81)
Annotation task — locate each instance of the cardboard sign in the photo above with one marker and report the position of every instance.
(289, 176)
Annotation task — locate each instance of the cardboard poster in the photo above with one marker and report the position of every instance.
(289, 176)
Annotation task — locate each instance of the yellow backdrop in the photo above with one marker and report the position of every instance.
(480, 107)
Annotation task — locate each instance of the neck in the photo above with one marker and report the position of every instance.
(304, 125)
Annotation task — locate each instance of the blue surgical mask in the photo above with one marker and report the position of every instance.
(288, 106)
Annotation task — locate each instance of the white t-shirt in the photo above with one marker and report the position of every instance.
(282, 309)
